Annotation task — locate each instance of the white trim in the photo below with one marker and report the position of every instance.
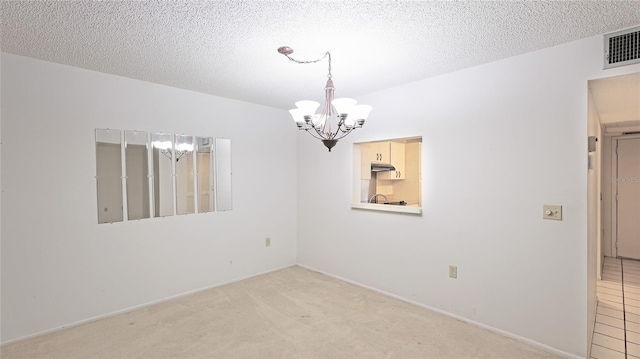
(123, 177)
(140, 306)
(614, 207)
(387, 208)
(619, 130)
(463, 319)
(516, 337)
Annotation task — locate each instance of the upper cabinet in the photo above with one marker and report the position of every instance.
(379, 152)
(395, 151)
(387, 152)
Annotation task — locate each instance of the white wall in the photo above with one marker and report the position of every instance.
(499, 141)
(58, 265)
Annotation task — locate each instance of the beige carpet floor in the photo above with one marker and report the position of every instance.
(291, 313)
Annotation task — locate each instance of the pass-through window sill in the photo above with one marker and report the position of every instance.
(412, 209)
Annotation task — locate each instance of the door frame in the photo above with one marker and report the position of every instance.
(614, 190)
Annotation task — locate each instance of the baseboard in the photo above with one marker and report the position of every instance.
(135, 307)
(516, 337)
(463, 319)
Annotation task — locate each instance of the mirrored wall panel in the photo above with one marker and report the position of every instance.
(185, 188)
(204, 170)
(109, 176)
(223, 174)
(162, 154)
(141, 175)
(136, 161)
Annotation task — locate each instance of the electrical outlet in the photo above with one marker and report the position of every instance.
(453, 271)
(267, 242)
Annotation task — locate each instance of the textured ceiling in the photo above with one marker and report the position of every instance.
(228, 48)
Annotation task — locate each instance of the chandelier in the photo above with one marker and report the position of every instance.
(337, 117)
(166, 148)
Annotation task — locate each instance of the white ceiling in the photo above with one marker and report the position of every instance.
(617, 101)
(228, 48)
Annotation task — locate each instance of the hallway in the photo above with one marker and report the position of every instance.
(617, 329)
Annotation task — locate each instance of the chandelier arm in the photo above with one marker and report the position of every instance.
(315, 135)
(343, 134)
(340, 134)
(166, 153)
(330, 135)
(323, 135)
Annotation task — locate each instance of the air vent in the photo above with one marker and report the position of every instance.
(622, 48)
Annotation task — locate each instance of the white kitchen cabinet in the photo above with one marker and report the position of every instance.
(396, 155)
(387, 152)
(380, 152)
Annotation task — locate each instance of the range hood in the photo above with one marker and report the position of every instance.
(380, 167)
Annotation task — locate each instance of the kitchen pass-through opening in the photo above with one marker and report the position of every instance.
(388, 175)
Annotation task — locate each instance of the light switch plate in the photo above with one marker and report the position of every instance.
(552, 212)
(453, 271)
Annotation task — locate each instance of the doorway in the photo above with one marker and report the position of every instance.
(625, 196)
(613, 113)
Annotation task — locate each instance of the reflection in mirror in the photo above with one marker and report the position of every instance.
(109, 176)
(223, 174)
(204, 168)
(185, 194)
(162, 146)
(137, 174)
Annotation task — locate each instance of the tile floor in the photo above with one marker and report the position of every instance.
(617, 330)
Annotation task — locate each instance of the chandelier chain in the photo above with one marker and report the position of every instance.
(327, 54)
